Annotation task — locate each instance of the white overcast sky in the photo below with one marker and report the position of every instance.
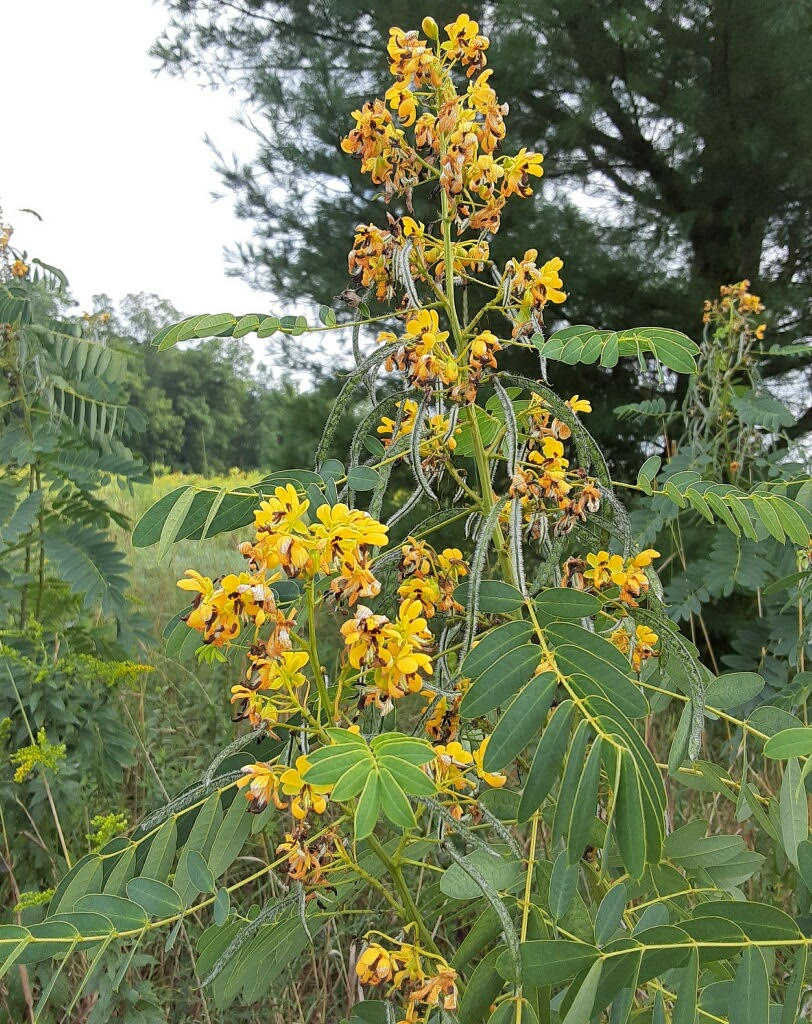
(113, 159)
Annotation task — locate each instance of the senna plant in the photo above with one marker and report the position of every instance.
(470, 730)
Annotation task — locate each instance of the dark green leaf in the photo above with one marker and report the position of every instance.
(520, 721)
(157, 898)
(493, 645)
(500, 681)
(548, 760)
(495, 597)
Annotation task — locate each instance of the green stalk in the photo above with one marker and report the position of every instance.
(402, 888)
(321, 685)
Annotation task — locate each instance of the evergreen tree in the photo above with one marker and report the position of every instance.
(678, 140)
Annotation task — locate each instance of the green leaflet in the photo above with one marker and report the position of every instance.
(500, 681)
(793, 810)
(584, 805)
(750, 995)
(484, 985)
(157, 898)
(520, 721)
(230, 837)
(550, 961)
(493, 645)
(790, 743)
(382, 772)
(548, 760)
(563, 603)
(495, 597)
(630, 819)
(572, 776)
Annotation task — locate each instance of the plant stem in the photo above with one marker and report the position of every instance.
(528, 885)
(321, 684)
(409, 904)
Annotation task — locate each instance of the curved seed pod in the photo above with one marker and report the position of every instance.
(406, 507)
(232, 748)
(675, 644)
(184, 801)
(379, 493)
(475, 575)
(621, 517)
(414, 450)
(549, 566)
(345, 397)
(467, 834)
(268, 913)
(404, 272)
(516, 550)
(511, 426)
(490, 894)
(369, 421)
(503, 833)
(356, 348)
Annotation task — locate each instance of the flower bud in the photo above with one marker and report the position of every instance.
(429, 26)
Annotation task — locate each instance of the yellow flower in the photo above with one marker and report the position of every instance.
(451, 761)
(19, 268)
(387, 425)
(282, 513)
(285, 671)
(305, 797)
(197, 583)
(518, 170)
(354, 580)
(426, 591)
(466, 44)
(494, 779)
(645, 641)
(342, 532)
(605, 569)
(578, 404)
(262, 780)
(644, 559)
(376, 965)
(443, 983)
(551, 279)
(401, 98)
(481, 352)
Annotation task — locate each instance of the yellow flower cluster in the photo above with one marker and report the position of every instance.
(424, 979)
(392, 657)
(439, 436)
(39, 754)
(451, 764)
(425, 356)
(19, 269)
(443, 721)
(338, 542)
(456, 136)
(607, 570)
(645, 640)
(264, 782)
(308, 859)
(219, 611)
(531, 287)
(545, 475)
(735, 311)
(431, 577)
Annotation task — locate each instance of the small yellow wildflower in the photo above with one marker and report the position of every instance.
(305, 796)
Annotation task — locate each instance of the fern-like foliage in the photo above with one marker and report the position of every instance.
(62, 410)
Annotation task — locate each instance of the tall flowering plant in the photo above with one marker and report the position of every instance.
(460, 720)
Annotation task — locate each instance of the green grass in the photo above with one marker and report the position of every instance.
(184, 714)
